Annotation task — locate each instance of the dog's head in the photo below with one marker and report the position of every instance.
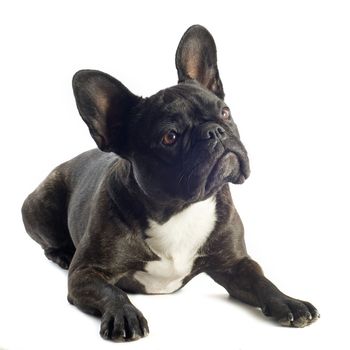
(182, 142)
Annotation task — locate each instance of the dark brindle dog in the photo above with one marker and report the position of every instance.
(152, 208)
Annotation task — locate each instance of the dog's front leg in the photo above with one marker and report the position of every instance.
(90, 290)
(245, 281)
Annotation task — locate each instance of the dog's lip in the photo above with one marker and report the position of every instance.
(240, 179)
(222, 171)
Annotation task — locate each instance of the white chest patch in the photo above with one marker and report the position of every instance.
(176, 242)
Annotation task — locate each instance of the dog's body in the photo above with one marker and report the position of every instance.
(152, 218)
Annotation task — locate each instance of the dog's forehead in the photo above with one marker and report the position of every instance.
(185, 97)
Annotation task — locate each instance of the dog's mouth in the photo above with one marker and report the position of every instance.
(209, 175)
(230, 167)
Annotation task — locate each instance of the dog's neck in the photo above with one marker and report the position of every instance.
(121, 176)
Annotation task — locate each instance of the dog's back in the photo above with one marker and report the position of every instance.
(55, 213)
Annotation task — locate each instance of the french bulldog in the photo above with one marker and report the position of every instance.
(151, 207)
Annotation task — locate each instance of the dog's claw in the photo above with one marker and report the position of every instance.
(145, 332)
(122, 324)
(291, 312)
(265, 311)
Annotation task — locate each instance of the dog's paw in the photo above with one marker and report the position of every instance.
(291, 312)
(123, 324)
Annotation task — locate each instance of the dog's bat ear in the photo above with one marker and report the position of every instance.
(104, 104)
(196, 59)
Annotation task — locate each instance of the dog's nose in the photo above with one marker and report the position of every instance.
(212, 131)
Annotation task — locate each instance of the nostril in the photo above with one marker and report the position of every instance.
(211, 131)
(211, 134)
(220, 131)
(216, 133)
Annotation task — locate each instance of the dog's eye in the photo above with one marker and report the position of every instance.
(169, 138)
(225, 113)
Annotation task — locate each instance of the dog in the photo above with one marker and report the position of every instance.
(151, 207)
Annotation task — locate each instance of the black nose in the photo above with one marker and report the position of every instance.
(212, 131)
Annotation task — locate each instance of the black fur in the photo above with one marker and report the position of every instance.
(91, 213)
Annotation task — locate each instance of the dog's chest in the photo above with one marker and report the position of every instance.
(177, 243)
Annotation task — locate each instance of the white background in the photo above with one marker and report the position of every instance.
(285, 69)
